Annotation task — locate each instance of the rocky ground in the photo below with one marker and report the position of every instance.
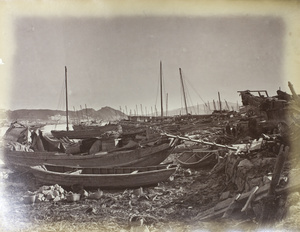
(170, 206)
(174, 205)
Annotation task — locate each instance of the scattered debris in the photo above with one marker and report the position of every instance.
(253, 179)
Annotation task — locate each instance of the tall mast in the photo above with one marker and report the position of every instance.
(82, 115)
(214, 105)
(167, 105)
(186, 109)
(161, 96)
(220, 102)
(67, 111)
(74, 114)
(86, 112)
(208, 106)
(227, 106)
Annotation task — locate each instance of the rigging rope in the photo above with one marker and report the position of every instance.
(61, 100)
(195, 90)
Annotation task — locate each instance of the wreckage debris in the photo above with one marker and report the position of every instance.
(57, 193)
(249, 178)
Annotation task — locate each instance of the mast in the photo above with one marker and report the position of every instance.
(86, 112)
(67, 111)
(74, 114)
(186, 110)
(161, 96)
(167, 105)
(142, 110)
(82, 115)
(220, 102)
(227, 105)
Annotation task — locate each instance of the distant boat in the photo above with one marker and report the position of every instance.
(106, 178)
(198, 158)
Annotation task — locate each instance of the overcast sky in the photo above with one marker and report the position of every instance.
(115, 61)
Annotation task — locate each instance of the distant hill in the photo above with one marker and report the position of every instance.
(104, 114)
(47, 116)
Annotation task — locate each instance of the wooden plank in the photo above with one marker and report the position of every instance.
(218, 210)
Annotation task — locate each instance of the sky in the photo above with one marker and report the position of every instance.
(115, 61)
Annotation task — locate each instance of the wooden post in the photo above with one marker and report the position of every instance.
(268, 205)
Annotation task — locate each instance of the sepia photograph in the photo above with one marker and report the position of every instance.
(147, 116)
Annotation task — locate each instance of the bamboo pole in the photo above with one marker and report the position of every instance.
(200, 141)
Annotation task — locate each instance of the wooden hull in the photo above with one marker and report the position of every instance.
(199, 159)
(103, 178)
(78, 134)
(91, 133)
(82, 127)
(22, 160)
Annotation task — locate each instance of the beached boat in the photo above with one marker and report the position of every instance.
(19, 154)
(198, 158)
(105, 178)
(93, 126)
(147, 155)
(83, 134)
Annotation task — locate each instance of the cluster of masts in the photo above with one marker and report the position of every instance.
(206, 106)
(154, 112)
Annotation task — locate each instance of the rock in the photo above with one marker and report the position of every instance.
(39, 197)
(225, 195)
(245, 164)
(96, 195)
(30, 199)
(83, 193)
(73, 197)
(50, 196)
(57, 198)
(56, 193)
